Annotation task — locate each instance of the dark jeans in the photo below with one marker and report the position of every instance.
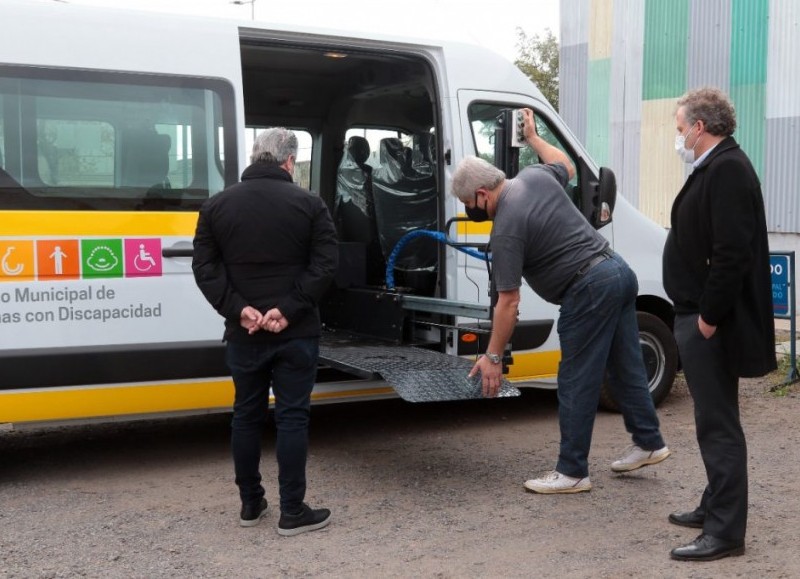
(598, 331)
(290, 368)
(715, 390)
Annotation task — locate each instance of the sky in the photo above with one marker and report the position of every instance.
(491, 24)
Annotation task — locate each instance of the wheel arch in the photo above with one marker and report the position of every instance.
(658, 307)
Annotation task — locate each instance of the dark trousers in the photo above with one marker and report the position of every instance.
(715, 391)
(290, 369)
(598, 332)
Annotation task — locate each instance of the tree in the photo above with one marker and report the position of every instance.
(538, 59)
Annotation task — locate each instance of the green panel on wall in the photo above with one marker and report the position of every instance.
(750, 102)
(666, 32)
(598, 106)
(749, 35)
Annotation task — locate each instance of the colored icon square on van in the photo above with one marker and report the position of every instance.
(17, 261)
(58, 259)
(101, 258)
(142, 257)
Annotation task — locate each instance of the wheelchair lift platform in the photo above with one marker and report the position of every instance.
(416, 374)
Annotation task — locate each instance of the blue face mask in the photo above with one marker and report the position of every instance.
(476, 213)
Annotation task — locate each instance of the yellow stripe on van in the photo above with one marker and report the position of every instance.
(345, 394)
(473, 227)
(53, 404)
(43, 404)
(534, 365)
(90, 223)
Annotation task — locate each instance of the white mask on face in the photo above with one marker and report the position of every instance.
(687, 155)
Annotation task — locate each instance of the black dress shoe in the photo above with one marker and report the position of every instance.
(693, 519)
(708, 548)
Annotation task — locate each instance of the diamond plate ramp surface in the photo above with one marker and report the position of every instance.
(417, 375)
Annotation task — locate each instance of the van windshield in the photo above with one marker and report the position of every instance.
(112, 141)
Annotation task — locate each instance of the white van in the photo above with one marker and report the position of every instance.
(116, 126)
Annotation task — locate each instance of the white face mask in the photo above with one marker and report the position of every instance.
(687, 155)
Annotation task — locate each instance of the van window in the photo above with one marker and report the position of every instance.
(305, 145)
(483, 120)
(113, 141)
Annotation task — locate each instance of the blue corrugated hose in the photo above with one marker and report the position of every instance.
(438, 236)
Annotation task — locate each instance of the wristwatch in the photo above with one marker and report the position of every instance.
(493, 358)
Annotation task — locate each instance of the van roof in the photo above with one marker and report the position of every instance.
(426, 30)
(134, 40)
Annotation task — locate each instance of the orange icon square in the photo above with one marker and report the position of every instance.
(16, 260)
(58, 259)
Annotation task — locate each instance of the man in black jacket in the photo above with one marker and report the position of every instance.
(265, 250)
(716, 271)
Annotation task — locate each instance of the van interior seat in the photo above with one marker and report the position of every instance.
(423, 153)
(145, 159)
(354, 206)
(358, 147)
(406, 199)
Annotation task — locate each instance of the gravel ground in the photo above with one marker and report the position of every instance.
(427, 490)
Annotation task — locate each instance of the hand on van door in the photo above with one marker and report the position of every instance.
(530, 126)
(547, 153)
(274, 321)
(250, 319)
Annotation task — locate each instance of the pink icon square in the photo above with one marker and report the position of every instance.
(142, 257)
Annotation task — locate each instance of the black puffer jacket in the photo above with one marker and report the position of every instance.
(265, 242)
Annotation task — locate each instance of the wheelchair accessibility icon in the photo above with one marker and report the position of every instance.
(143, 260)
(143, 257)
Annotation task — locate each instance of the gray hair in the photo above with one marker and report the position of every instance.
(711, 106)
(472, 174)
(274, 146)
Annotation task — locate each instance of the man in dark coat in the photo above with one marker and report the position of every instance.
(716, 271)
(265, 251)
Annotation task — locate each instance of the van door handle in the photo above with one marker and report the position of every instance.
(177, 252)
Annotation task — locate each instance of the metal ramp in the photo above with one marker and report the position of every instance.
(416, 374)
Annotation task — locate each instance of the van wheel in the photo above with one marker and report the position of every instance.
(660, 355)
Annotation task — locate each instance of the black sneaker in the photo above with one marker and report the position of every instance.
(307, 520)
(251, 514)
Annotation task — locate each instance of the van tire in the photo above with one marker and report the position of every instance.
(660, 359)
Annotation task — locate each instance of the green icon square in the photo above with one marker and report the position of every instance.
(101, 258)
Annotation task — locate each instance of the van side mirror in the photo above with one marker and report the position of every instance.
(606, 198)
(598, 194)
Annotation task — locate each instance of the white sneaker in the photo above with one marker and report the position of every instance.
(554, 482)
(636, 457)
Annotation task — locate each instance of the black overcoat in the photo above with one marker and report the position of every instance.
(716, 259)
